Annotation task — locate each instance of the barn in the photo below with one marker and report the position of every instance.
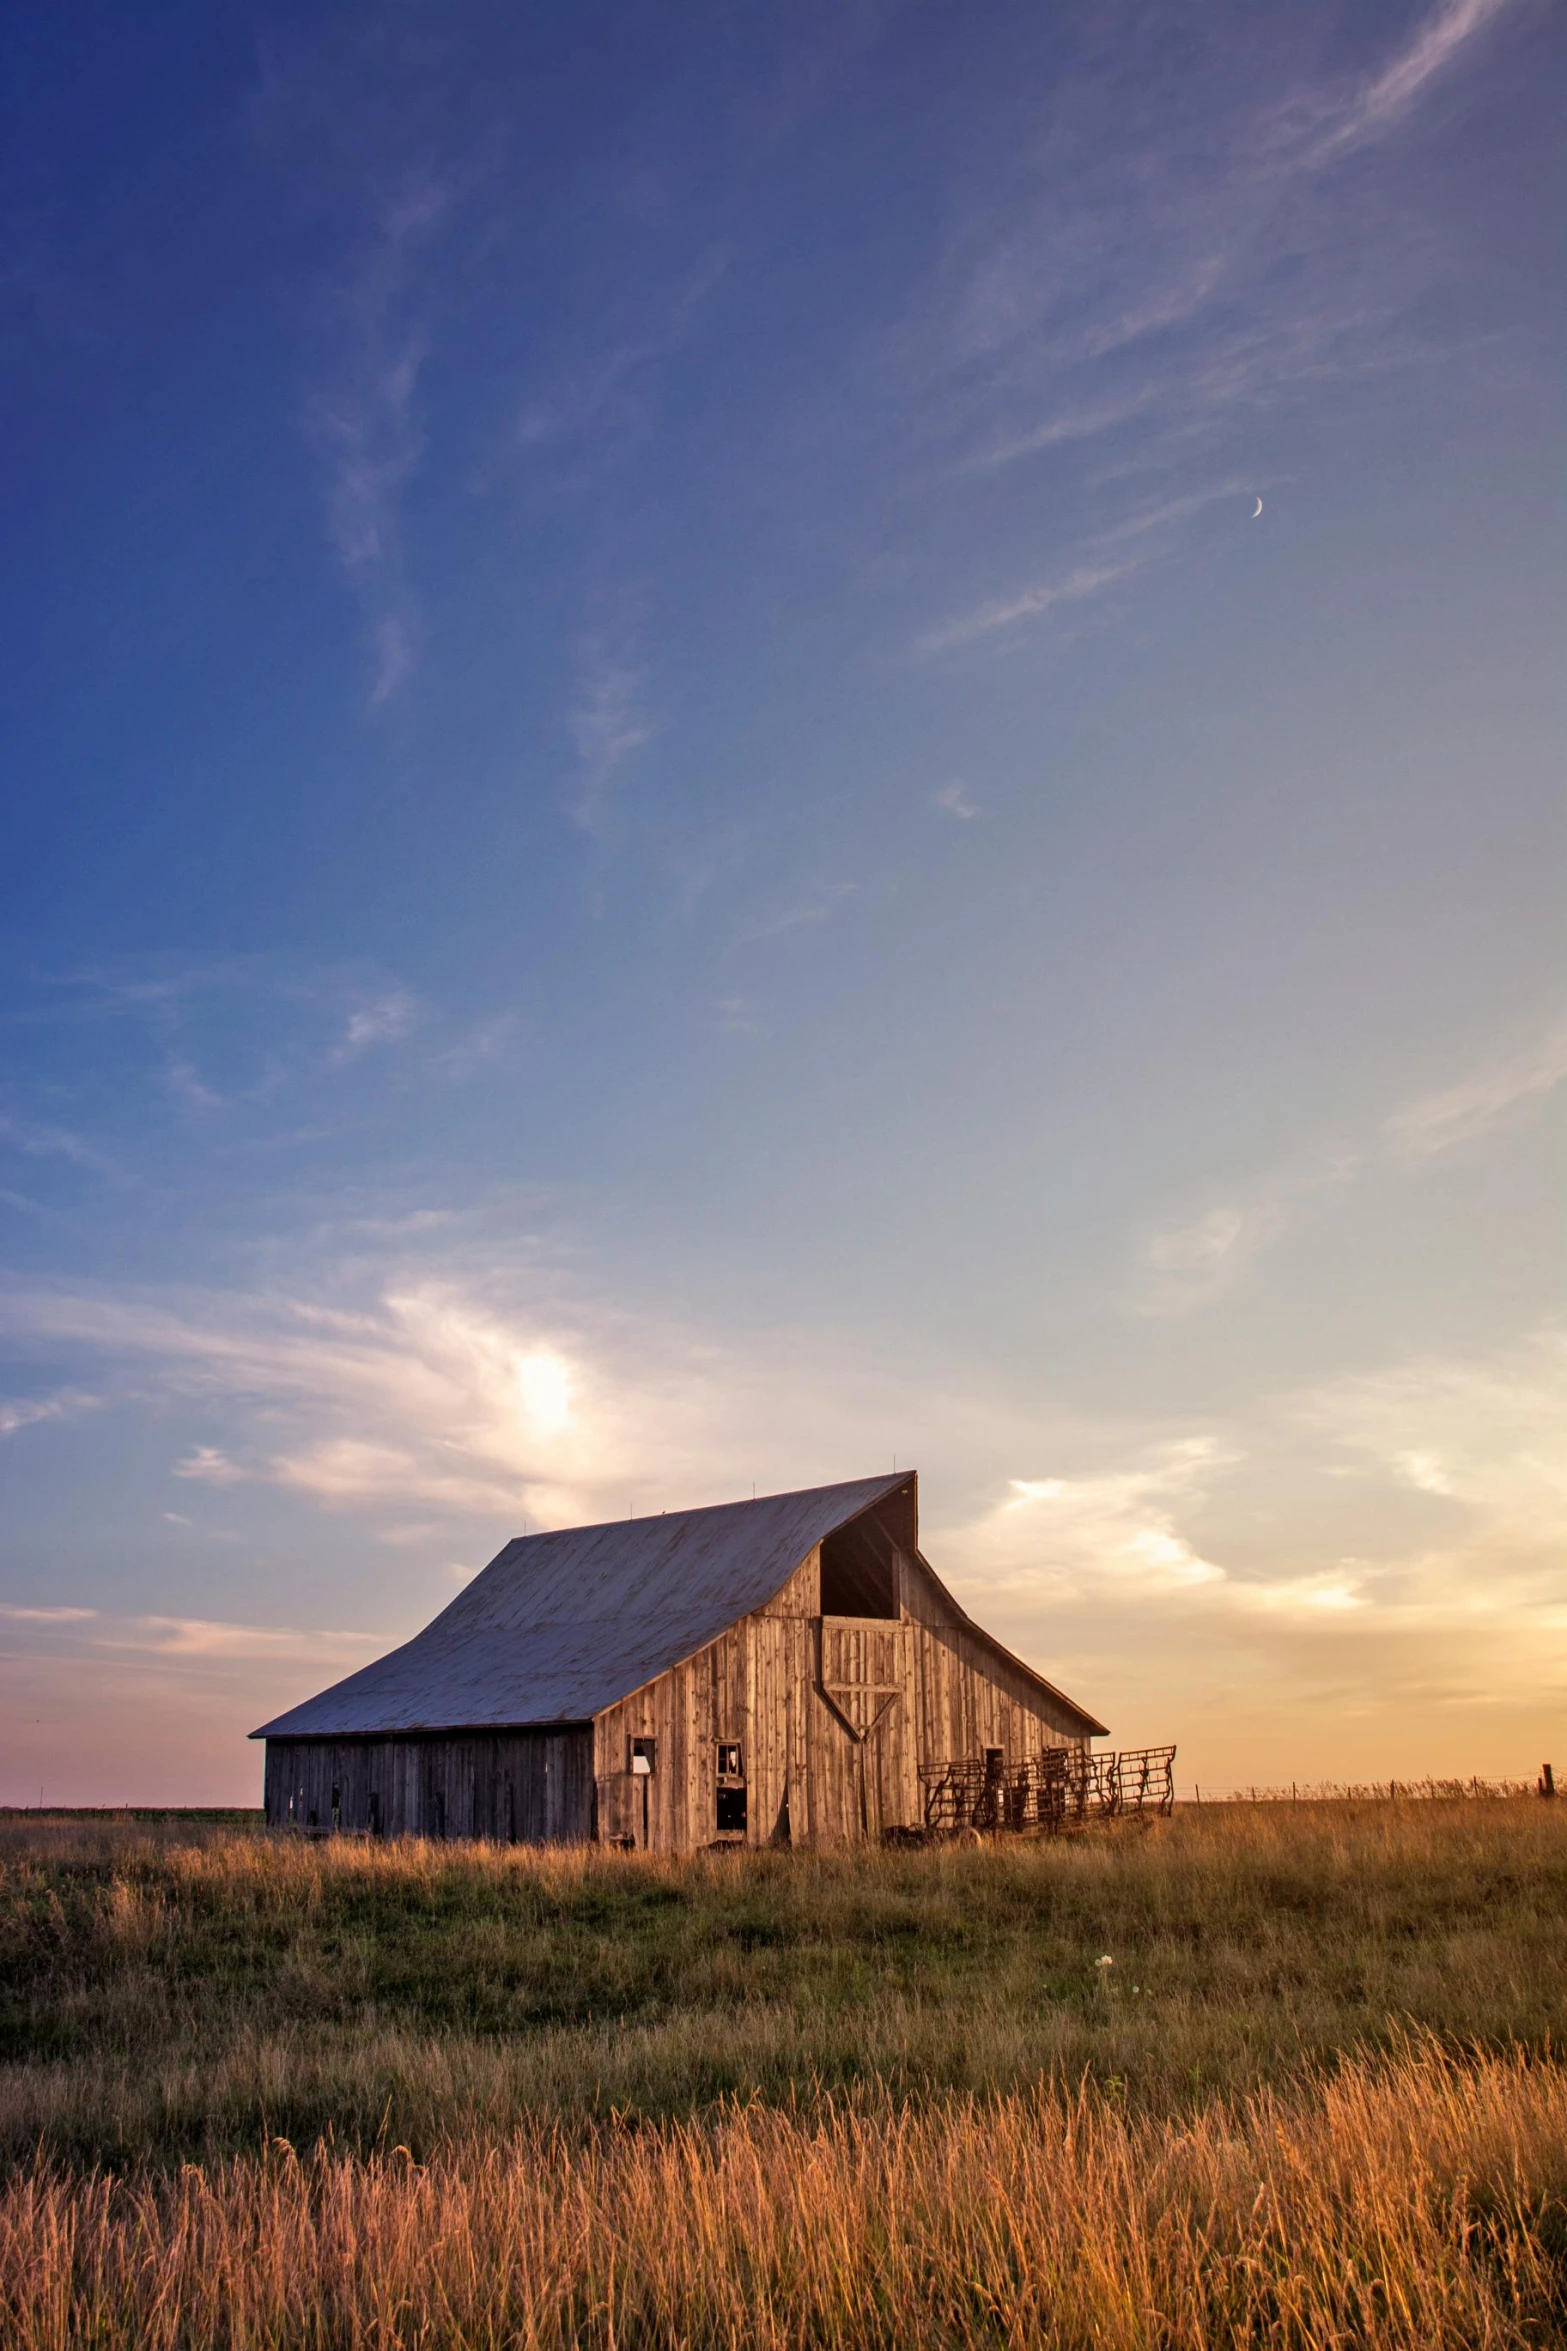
(759, 1672)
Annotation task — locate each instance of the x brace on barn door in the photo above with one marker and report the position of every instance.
(887, 1692)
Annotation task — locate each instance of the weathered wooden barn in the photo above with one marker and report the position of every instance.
(758, 1672)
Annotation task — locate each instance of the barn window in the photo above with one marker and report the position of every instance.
(641, 1761)
(337, 1806)
(731, 1818)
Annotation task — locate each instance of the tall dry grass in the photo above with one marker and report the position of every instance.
(174, 1996)
(1408, 2204)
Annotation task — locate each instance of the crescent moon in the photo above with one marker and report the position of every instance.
(1257, 509)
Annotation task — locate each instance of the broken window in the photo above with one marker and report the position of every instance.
(643, 1752)
(731, 1820)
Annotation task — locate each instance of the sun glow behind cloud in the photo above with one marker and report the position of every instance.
(422, 1413)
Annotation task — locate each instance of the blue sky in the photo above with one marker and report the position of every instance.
(669, 822)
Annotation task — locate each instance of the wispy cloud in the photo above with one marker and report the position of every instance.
(176, 1518)
(1116, 1539)
(1381, 102)
(80, 1632)
(225, 1038)
(363, 422)
(1118, 280)
(198, 1637)
(1165, 514)
(478, 1049)
(605, 398)
(1198, 1260)
(422, 1397)
(806, 911)
(209, 1467)
(954, 799)
(184, 1083)
(1006, 612)
(381, 1020)
(1155, 523)
(609, 724)
(1484, 1437)
(437, 1399)
(25, 1412)
(1190, 1264)
(15, 1615)
(157, 992)
(1437, 1580)
(1461, 1113)
(38, 1139)
(737, 1016)
(1071, 424)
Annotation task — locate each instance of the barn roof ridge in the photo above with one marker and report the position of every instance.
(562, 1624)
(888, 1484)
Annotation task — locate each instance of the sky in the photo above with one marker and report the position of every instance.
(743, 745)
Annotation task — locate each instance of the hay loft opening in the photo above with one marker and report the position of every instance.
(860, 1560)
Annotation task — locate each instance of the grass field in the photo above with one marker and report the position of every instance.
(280, 2094)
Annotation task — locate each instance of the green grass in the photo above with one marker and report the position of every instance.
(187, 1987)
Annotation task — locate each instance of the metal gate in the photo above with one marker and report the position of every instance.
(1064, 1788)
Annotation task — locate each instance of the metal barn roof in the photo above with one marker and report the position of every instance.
(559, 1626)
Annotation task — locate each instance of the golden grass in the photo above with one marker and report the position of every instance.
(168, 1997)
(1404, 2204)
(790, 2099)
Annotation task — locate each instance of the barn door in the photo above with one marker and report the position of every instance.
(861, 1680)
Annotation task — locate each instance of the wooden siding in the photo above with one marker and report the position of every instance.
(834, 1716)
(802, 1594)
(524, 1787)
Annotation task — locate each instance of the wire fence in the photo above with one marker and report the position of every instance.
(1442, 1791)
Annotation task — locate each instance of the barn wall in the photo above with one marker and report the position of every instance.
(958, 1695)
(518, 1787)
(834, 1716)
(802, 1594)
